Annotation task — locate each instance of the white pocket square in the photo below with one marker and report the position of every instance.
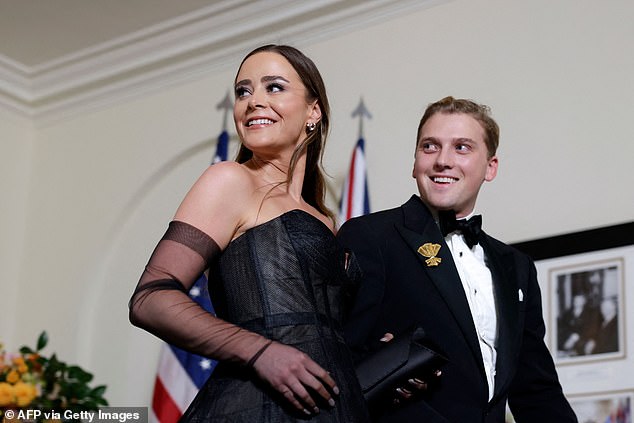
(520, 294)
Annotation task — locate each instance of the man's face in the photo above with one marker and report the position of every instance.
(579, 301)
(452, 162)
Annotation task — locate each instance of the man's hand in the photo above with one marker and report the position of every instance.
(414, 385)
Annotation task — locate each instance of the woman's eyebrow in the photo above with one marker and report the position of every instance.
(269, 78)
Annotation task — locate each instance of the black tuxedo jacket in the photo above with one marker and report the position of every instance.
(399, 291)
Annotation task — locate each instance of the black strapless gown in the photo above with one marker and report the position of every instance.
(284, 279)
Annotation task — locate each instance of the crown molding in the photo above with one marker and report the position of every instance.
(180, 49)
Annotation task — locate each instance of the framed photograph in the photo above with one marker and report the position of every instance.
(586, 310)
(587, 281)
(609, 407)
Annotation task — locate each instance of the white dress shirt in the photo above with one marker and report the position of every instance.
(478, 286)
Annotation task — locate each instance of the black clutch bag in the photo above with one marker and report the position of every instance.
(391, 366)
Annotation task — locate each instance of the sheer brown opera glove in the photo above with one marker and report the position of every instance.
(160, 303)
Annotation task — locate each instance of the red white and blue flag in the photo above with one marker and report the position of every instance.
(181, 374)
(354, 198)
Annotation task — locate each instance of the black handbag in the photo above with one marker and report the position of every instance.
(390, 367)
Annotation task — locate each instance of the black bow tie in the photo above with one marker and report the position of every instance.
(470, 228)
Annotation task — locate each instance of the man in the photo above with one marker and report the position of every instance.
(479, 305)
(578, 325)
(607, 338)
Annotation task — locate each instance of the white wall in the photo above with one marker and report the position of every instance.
(102, 186)
(557, 76)
(16, 138)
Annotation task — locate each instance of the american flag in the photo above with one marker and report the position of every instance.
(181, 374)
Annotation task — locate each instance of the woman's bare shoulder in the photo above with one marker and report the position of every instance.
(225, 175)
(218, 201)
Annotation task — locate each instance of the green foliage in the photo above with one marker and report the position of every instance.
(63, 386)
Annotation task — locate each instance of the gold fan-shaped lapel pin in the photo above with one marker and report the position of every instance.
(430, 251)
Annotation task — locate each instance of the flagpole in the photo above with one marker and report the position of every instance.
(362, 112)
(226, 105)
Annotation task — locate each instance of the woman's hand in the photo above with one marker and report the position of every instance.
(292, 372)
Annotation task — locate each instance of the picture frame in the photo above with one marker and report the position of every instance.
(600, 407)
(597, 264)
(586, 310)
(614, 406)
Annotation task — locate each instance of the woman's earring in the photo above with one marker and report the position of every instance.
(310, 126)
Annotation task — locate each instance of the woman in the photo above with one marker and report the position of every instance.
(276, 272)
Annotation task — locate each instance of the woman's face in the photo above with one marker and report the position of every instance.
(271, 109)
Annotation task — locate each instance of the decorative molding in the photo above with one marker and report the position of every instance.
(180, 49)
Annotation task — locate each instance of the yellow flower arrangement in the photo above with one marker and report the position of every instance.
(29, 379)
(18, 382)
(7, 397)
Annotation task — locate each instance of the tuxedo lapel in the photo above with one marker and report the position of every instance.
(507, 297)
(418, 229)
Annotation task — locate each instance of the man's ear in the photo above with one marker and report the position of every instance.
(492, 169)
